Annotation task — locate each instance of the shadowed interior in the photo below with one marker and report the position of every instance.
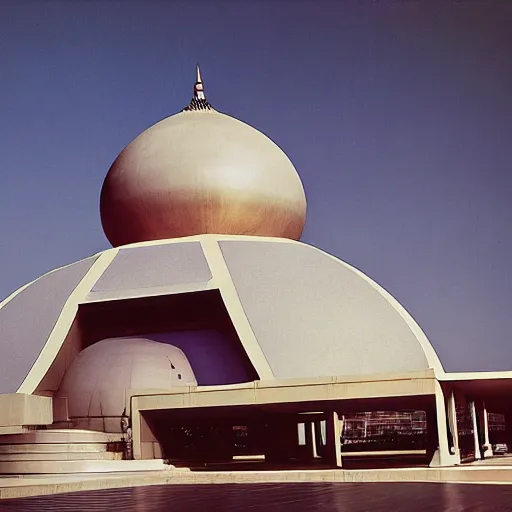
(197, 323)
(185, 320)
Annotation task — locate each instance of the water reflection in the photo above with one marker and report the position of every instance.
(315, 497)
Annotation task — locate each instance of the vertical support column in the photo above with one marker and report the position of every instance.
(333, 435)
(145, 445)
(314, 445)
(442, 454)
(483, 425)
(508, 429)
(319, 443)
(136, 437)
(472, 412)
(310, 440)
(451, 413)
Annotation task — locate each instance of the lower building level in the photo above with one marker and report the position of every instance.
(308, 420)
(397, 419)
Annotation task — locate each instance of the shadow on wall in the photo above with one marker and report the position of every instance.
(212, 356)
(197, 323)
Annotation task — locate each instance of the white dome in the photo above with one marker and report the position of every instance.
(97, 381)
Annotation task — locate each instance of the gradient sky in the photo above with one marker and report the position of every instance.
(397, 116)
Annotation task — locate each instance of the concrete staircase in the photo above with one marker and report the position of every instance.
(67, 451)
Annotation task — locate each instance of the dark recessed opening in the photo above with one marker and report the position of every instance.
(200, 312)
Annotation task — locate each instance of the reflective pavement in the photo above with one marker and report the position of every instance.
(315, 497)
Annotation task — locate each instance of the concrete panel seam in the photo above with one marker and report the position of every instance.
(222, 278)
(63, 324)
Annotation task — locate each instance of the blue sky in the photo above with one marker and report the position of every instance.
(397, 116)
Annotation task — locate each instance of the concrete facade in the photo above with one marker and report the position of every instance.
(314, 297)
(302, 322)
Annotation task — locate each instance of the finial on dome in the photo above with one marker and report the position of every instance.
(198, 86)
(206, 173)
(199, 101)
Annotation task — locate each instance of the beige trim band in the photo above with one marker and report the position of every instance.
(64, 322)
(224, 282)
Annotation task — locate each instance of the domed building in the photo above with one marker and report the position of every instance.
(209, 320)
(201, 172)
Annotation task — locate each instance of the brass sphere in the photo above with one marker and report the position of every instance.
(198, 173)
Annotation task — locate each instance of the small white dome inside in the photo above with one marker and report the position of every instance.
(97, 381)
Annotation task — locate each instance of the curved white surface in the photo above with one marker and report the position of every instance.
(315, 316)
(201, 172)
(97, 381)
(28, 317)
(298, 311)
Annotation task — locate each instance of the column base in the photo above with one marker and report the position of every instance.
(442, 460)
(333, 435)
(487, 451)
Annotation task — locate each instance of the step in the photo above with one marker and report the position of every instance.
(14, 430)
(80, 466)
(8, 457)
(54, 448)
(60, 436)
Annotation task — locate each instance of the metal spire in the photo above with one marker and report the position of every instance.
(198, 86)
(199, 101)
